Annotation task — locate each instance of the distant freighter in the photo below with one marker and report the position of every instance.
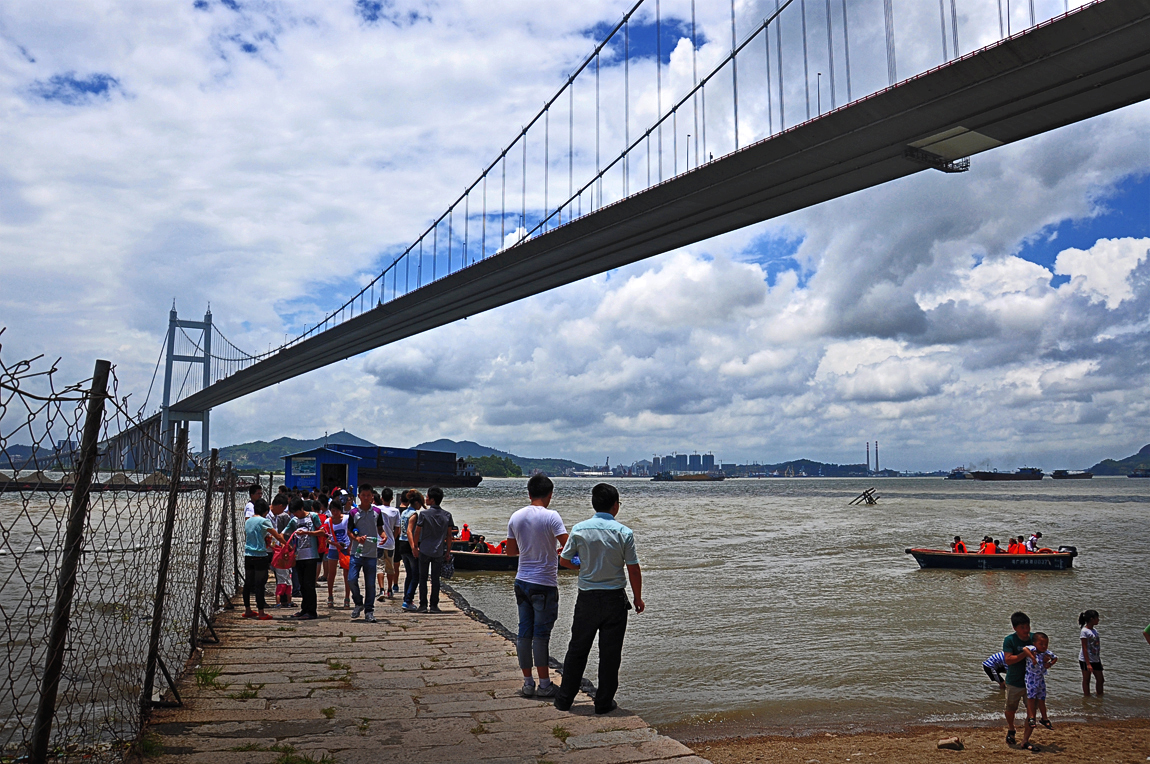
(1071, 475)
(667, 477)
(1024, 473)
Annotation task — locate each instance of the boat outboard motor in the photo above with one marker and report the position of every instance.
(1073, 549)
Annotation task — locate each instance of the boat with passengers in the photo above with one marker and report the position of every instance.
(1043, 559)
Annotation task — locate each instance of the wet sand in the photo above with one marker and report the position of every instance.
(1110, 741)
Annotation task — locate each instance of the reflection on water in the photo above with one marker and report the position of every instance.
(774, 604)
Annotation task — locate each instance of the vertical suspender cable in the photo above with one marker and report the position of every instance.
(483, 231)
(570, 142)
(703, 100)
(806, 62)
(767, 58)
(503, 203)
(627, 104)
(954, 28)
(675, 142)
(1032, 22)
(891, 69)
(831, 55)
(1007, 18)
(434, 250)
(419, 267)
(546, 164)
(466, 227)
(734, 75)
(1001, 26)
(598, 179)
(695, 79)
(523, 215)
(779, 60)
(450, 217)
(942, 28)
(659, 85)
(847, 51)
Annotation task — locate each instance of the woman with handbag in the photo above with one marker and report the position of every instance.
(305, 529)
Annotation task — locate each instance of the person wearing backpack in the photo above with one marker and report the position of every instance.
(366, 530)
(306, 528)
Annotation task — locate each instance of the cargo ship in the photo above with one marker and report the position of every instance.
(1139, 473)
(340, 465)
(668, 477)
(1071, 475)
(960, 473)
(1023, 473)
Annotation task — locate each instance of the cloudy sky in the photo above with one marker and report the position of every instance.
(269, 156)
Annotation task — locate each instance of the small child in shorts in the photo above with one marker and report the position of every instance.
(1039, 660)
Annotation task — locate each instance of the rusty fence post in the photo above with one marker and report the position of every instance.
(69, 564)
(223, 536)
(154, 658)
(205, 532)
(239, 579)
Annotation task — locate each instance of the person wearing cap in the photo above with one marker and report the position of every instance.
(1033, 543)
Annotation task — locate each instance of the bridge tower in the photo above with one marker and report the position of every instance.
(202, 355)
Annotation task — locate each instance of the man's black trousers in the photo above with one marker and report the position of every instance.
(602, 612)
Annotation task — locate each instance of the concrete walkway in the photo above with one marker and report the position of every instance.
(410, 688)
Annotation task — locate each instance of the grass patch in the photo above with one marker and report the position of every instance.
(491, 693)
(335, 665)
(561, 733)
(286, 628)
(300, 758)
(208, 676)
(150, 746)
(328, 712)
(478, 729)
(250, 691)
(363, 726)
(247, 747)
(353, 638)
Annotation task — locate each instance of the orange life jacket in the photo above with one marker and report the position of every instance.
(1013, 548)
(959, 547)
(986, 548)
(466, 535)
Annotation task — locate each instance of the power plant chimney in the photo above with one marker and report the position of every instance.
(876, 456)
(868, 457)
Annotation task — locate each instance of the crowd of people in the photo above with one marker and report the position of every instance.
(324, 536)
(1014, 545)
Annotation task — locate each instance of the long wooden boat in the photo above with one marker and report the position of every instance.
(484, 561)
(1063, 559)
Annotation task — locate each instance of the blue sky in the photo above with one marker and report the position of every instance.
(271, 157)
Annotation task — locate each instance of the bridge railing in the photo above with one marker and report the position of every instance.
(107, 577)
(668, 88)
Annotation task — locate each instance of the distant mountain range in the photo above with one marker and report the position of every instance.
(265, 455)
(1140, 460)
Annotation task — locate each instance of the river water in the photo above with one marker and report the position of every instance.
(774, 607)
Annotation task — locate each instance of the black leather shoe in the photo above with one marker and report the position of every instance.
(561, 704)
(608, 709)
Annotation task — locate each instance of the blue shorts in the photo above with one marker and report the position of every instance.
(332, 553)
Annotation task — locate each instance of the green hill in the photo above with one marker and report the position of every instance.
(264, 455)
(1140, 460)
(469, 448)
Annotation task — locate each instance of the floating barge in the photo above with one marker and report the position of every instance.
(1063, 559)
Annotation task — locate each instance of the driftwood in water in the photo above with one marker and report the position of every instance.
(866, 497)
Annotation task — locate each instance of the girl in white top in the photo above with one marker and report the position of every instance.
(1090, 656)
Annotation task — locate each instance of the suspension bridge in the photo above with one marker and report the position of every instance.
(664, 136)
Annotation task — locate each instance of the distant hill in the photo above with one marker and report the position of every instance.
(527, 464)
(1140, 460)
(262, 455)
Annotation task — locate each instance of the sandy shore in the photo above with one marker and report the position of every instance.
(1116, 741)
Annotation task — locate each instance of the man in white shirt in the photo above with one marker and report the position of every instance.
(1034, 543)
(389, 576)
(255, 493)
(535, 533)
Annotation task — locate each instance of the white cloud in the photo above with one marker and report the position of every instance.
(1103, 271)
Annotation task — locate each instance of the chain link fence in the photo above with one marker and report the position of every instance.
(108, 579)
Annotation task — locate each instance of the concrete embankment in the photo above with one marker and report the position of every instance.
(410, 688)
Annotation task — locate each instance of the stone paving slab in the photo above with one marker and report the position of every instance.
(425, 689)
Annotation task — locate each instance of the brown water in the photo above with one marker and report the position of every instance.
(774, 606)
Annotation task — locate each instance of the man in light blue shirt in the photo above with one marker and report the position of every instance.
(607, 560)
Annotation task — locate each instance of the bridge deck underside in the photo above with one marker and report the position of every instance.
(1091, 62)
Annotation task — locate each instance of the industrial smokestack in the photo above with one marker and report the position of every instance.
(868, 456)
(876, 456)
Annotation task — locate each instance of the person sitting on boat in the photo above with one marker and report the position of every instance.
(1033, 544)
(480, 545)
(1012, 547)
(998, 547)
(958, 547)
(987, 546)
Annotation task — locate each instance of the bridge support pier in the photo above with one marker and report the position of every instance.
(202, 355)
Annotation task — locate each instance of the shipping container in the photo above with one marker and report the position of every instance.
(436, 456)
(396, 464)
(398, 453)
